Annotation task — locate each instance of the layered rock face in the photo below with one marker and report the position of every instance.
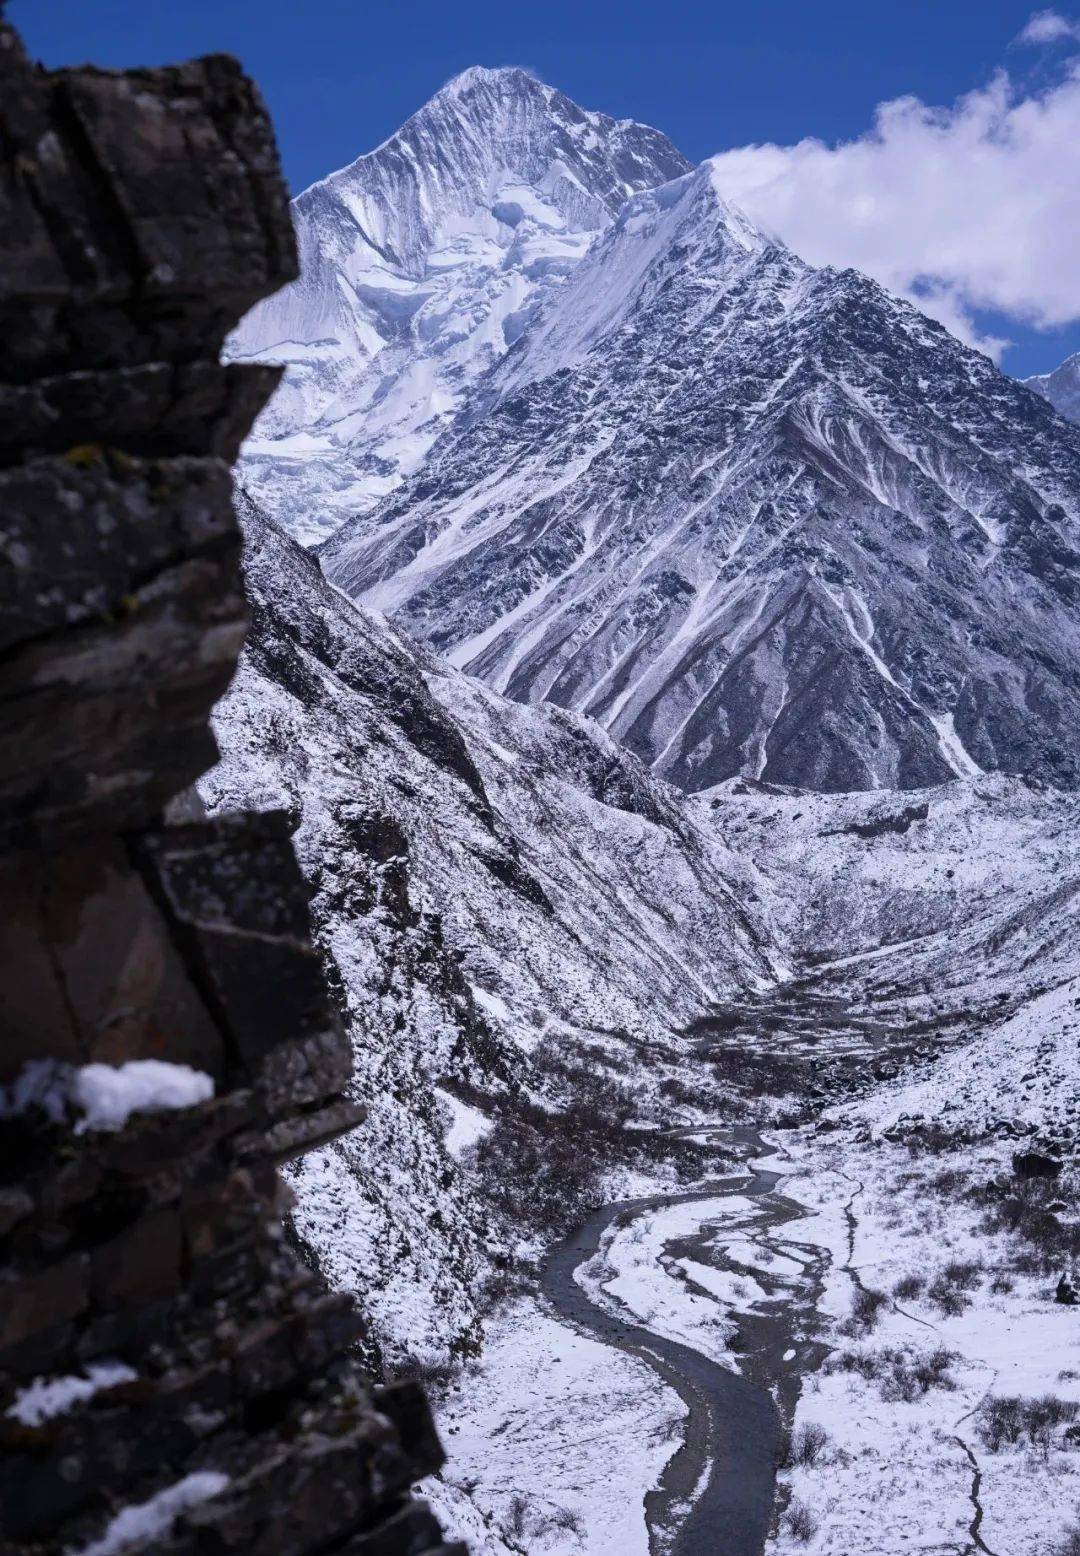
(753, 517)
(172, 1377)
(421, 263)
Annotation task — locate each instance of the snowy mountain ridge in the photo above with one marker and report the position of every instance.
(421, 262)
(1061, 387)
(751, 516)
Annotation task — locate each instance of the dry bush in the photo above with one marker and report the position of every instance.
(803, 1447)
(866, 1306)
(948, 1290)
(908, 1287)
(1007, 1420)
(902, 1375)
(1031, 1209)
(965, 1274)
(799, 1522)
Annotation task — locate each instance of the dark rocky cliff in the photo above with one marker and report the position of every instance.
(172, 1377)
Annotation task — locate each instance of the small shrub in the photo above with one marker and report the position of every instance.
(951, 1183)
(909, 1380)
(950, 1301)
(908, 1286)
(868, 1364)
(903, 1375)
(1031, 1209)
(866, 1306)
(803, 1447)
(808, 1443)
(800, 1522)
(1069, 1544)
(963, 1273)
(1008, 1420)
(568, 1522)
(1001, 1284)
(517, 1515)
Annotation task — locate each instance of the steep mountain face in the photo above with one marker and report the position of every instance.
(420, 264)
(959, 899)
(496, 888)
(753, 518)
(1061, 387)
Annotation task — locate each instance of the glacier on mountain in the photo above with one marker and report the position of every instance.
(421, 263)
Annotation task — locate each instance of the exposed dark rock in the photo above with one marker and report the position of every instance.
(1033, 1164)
(140, 215)
(878, 826)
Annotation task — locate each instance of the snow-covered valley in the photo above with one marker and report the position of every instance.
(894, 1292)
(572, 986)
(704, 918)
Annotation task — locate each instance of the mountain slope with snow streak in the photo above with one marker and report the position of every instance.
(420, 264)
(752, 517)
(490, 881)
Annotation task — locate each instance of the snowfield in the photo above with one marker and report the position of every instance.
(554, 1443)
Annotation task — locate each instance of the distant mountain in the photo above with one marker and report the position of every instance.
(421, 263)
(751, 516)
(1061, 387)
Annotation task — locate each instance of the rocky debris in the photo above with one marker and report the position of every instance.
(900, 822)
(173, 1378)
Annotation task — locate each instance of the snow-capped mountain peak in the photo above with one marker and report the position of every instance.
(751, 516)
(421, 263)
(683, 229)
(1061, 387)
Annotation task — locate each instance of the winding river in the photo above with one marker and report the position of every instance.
(717, 1492)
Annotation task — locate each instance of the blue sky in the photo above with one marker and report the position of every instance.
(341, 76)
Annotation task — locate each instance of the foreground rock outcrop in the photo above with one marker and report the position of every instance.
(172, 1376)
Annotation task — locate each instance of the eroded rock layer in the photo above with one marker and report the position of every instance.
(173, 1378)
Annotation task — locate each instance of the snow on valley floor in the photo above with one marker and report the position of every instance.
(555, 1439)
(553, 1442)
(896, 1474)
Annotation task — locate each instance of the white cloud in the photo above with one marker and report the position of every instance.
(1049, 27)
(971, 207)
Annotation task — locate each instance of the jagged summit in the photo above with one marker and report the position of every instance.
(684, 227)
(421, 263)
(754, 518)
(1061, 387)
